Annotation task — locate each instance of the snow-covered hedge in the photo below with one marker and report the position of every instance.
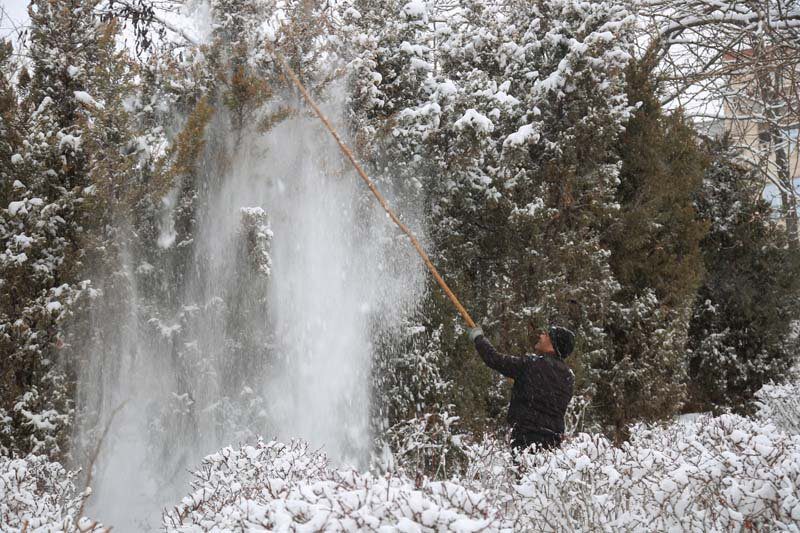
(713, 474)
(780, 404)
(284, 487)
(37, 495)
(425, 445)
(725, 473)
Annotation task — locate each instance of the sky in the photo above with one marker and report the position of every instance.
(14, 16)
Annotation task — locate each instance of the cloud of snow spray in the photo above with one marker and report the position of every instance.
(200, 379)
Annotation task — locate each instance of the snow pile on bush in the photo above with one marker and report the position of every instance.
(427, 444)
(717, 474)
(37, 495)
(780, 405)
(284, 487)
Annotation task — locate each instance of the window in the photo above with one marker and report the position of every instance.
(792, 140)
(793, 152)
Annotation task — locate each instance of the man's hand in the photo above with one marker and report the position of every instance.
(474, 333)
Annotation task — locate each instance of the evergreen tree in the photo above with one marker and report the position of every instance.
(741, 334)
(9, 116)
(194, 112)
(530, 170)
(63, 177)
(655, 257)
(390, 59)
(504, 118)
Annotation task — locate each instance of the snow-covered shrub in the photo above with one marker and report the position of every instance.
(287, 487)
(714, 474)
(37, 495)
(780, 404)
(580, 416)
(424, 445)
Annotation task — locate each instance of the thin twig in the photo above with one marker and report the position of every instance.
(161, 22)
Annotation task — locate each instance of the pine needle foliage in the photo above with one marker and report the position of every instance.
(742, 332)
(655, 257)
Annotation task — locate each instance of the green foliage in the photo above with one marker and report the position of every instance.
(505, 131)
(507, 134)
(742, 329)
(641, 376)
(9, 115)
(65, 171)
(655, 257)
(522, 209)
(656, 243)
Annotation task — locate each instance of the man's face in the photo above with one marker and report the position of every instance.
(544, 344)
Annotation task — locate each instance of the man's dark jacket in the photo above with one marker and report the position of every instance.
(542, 389)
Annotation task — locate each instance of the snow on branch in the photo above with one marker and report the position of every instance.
(255, 229)
(713, 474)
(144, 14)
(747, 21)
(780, 405)
(37, 495)
(725, 473)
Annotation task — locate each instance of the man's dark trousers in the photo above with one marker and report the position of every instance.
(543, 440)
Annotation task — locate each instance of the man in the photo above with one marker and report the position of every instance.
(543, 386)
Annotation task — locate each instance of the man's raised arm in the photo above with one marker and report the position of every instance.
(507, 365)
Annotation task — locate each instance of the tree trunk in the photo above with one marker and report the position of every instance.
(788, 194)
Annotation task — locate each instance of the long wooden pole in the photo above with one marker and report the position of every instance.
(347, 152)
